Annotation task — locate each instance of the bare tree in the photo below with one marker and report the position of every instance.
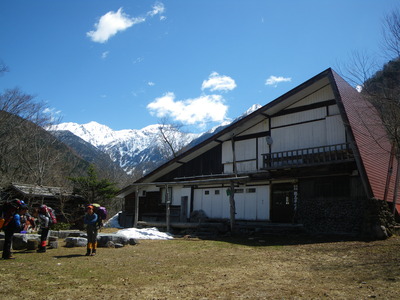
(391, 34)
(27, 151)
(381, 85)
(171, 135)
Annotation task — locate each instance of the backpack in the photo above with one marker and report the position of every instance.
(7, 211)
(2, 217)
(101, 213)
(51, 215)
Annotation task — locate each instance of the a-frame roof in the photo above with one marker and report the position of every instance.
(367, 134)
(370, 138)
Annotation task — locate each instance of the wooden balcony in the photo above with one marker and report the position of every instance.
(308, 157)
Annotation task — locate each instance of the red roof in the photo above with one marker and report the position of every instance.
(372, 142)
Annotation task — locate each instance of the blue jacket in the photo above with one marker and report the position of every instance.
(14, 224)
(90, 219)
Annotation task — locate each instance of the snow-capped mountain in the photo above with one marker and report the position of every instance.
(129, 148)
(138, 149)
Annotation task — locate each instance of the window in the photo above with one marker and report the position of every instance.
(239, 191)
(216, 192)
(207, 192)
(250, 190)
(164, 196)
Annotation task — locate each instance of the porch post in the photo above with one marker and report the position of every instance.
(234, 157)
(167, 203)
(136, 219)
(232, 205)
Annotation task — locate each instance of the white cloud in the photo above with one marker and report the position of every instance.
(138, 60)
(199, 110)
(113, 22)
(274, 80)
(216, 82)
(53, 113)
(105, 54)
(150, 83)
(109, 25)
(158, 8)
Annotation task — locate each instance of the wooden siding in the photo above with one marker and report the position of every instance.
(260, 127)
(246, 152)
(335, 131)
(299, 130)
(333, 110)
(206, 164)
(227, 154)
(298, 117)
(320, 95)
(299, 136)
(263, 148)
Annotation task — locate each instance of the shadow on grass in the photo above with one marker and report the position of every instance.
(282, 239)
(68, 256)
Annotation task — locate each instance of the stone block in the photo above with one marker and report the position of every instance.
(75, 242)
(53, 244)
(20, 241)
(32, 244)
(62, 234)
(103, 239)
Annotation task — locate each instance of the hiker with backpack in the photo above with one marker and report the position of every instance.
(91, 221)
(10, 214)
(27, 221)
(101, 213)
(46, 218)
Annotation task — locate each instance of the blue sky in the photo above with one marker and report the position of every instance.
(128, 64)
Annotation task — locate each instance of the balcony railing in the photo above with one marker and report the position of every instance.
(308, 156)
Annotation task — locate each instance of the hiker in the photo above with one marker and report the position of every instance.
(12, 223)
(27, 221)
(90, 220)
(101, 213)
(45, 222)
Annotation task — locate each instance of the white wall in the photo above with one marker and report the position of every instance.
(254, 205)
(178, 192)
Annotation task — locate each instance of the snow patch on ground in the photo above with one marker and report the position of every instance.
(145, 234)
(135, 233)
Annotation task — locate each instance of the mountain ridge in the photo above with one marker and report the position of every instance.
(135, 150)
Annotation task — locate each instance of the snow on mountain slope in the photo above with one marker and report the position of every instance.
(138, 148)
(128, 147)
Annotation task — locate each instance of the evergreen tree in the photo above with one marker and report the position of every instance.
(94, 189)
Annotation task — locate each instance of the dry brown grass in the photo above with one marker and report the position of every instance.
(290, 267)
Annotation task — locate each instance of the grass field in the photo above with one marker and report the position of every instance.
(264, 267)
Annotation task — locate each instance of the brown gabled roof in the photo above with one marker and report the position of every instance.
(370, 137)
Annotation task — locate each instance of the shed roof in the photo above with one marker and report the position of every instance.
(41, 191)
